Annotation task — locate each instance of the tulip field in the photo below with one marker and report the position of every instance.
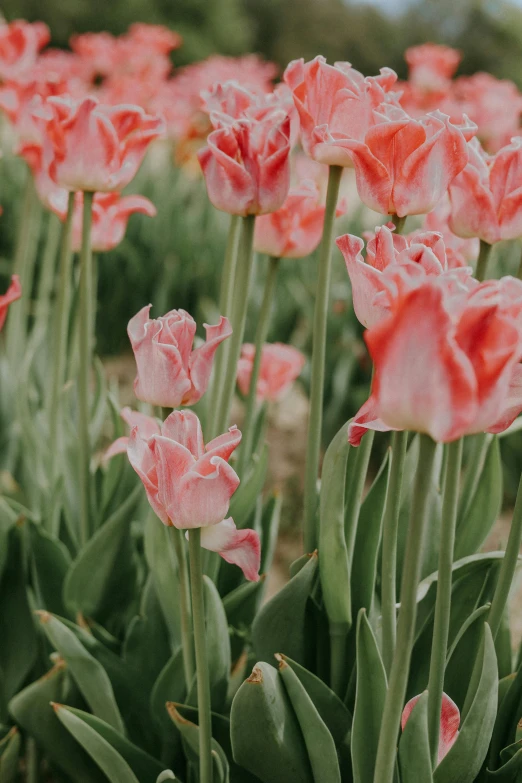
(247, 239)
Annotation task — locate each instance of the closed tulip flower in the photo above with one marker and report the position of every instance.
(294, 230)
(93, 147)
(404, 165)
(147, 426)
(13, 293)
(447, 359)
(449, 723)
(20, 43)
(280, 366)
(170, 373)
(189, 485)
(420, 253)
(247, 165)
(486, 197)
(335, 103)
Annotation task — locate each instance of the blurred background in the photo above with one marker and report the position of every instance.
(369, 33)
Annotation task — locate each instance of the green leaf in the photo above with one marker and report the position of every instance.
(50, 561)
(218, 645)
(462, 655)
(511, 770)
(106, 757)
(9, 756)
(102, 579)
(146, 649)
(414, 746)
(244, 499)
(367, 542)
(464, 760)
(509, 713)
(89, 675)
(190, 734)
(475, 525)
(170, 686)
(318, 739)
(164, 572)
(269, 530)
(266, 738)
(369, 702)
(19, 646)
(31, 709)
(145, 767)
(167, 774)
(281, 624)
(334, 562)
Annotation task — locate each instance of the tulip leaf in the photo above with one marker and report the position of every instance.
(190, 734)
(146, 649)
(170, 686)
(367, 541)
(281, 624)
(475, 524)
(318, 739)
(270, 530)
(18, 648)
(511, 769)
(334, 563)
(369, 702)
(102, 579)
(461, 656)
(50, 561)
(414, 745)
(241, 605)
(32, 711)
(218, 645)
(245, 498)
(167, 774)
(266, 737)
(164, 572)
(99, 749)
(509, 713)
(9, 756)
(464, 760)
(89, 675)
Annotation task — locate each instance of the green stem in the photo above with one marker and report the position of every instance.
(394, 703)
(508, 567)
(441, 624)
(398, 223)
(85, 342)
(483, 260)
(338, 636)
(519, 270)
(355, 488)
(59, 354)
(263, 325)
(47, 275)
(474, 467)
(176, 540)
(32, 761)
(241, 287)
(200, 644)
(226, 299)
(389, 548)
(315, 421)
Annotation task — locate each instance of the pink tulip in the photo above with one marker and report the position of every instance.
(13, 293)
(404, 166)
(110, 214)
(431, 66)
(93, 147)
(449, 723)
(373, 279)
(459, 251)
(447, 359)
(335, 104)
(280, 366)
(247, 165)
(189, 485)
(495, 105)
(294, 230)
(20, 43)
(170, 373)
(486, 197)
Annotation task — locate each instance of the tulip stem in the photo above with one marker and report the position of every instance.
(85, 339)
(508, 567)
(441, 624)
(47, 273)
(389, 548)
(176, 539)
(241, 287)
(200, 644)
(226, 300)
(398, 222)
(483, 260)
(315, 421)
(263, 324)
(394, 702)
(59, 353)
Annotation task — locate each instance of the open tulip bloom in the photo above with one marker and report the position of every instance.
(189, 485)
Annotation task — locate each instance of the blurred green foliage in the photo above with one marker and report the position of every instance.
(489, 32)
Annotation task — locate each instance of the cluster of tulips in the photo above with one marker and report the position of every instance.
(127, 644)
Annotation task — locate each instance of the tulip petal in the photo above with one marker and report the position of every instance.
(200, 362)
(513, 404)
(239, 547)
(119, 446)
(184, 427)
(449, 723)
(366, 281)
(13, 293)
